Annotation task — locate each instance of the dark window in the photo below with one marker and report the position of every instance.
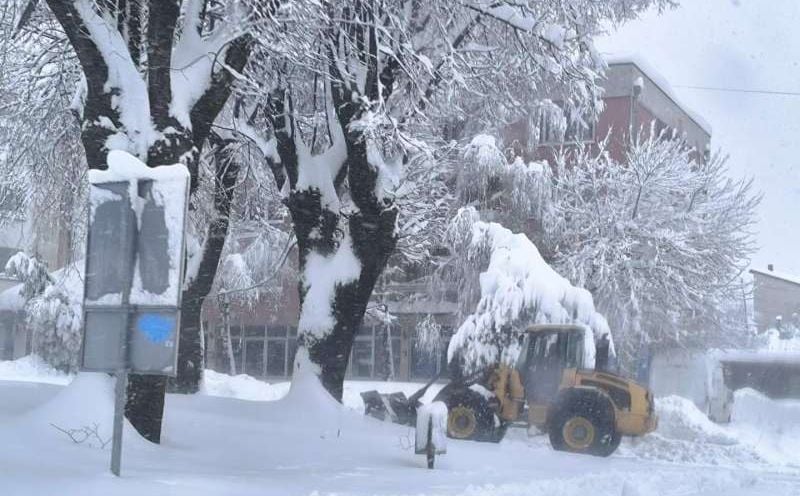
(276, 331)
(362, 361)
(276, 357)
(254, 358)
(252, 331)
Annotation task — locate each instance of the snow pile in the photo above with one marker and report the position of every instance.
(245, 387)
(773, 426)
(242, 386)
(84, 410)
(32, 368)
(679, 418)
(517, 288)
(762, 431)
(686, 435)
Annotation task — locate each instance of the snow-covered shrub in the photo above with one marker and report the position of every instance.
(52, 310)
(31, 271)
(54, 320)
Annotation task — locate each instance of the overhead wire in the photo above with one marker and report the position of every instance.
(738, 90)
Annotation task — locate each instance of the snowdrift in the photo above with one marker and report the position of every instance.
(31, 368)
(763, 431)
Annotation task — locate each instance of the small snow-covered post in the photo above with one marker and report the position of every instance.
(431, 435)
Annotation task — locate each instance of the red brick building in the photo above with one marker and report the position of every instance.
(635, 96)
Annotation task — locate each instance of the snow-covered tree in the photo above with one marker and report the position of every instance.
(516, 288)
(41, 161)
(660, 240)
(348, 98)
(155, 76)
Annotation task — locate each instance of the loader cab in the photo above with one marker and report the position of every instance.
(548, 351)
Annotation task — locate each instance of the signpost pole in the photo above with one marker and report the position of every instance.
(119, 416)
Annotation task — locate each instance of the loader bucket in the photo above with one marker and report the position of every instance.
(394, 407)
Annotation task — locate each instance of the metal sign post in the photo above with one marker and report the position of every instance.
(134, 275)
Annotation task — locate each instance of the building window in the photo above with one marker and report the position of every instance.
(265, 351)
(254, 357)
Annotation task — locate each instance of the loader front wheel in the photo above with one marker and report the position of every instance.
(583, 423)
(469, 416)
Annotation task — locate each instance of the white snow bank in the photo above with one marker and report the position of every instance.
(679, 418)
(245, 387)
(214, 446)
(773, 426)
(242, 386)
(686, 435)
(752, 407)
(31, 368)
(86, 403)
(518, 285)
(762, 432)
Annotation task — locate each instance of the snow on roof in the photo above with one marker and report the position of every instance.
(777, 275)
(659, 80)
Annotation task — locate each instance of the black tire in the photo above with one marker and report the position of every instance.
(583, 422)
(469, 416)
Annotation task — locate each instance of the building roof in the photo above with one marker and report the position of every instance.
(777, 275)
(659, 80)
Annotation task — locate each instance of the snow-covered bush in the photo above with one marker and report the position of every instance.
(54, 319)
(52, 310)
(31, 271)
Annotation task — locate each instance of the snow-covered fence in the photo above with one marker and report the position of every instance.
(431, 434)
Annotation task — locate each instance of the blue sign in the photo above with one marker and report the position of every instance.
(156, 327)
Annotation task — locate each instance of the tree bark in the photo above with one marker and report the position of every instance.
(190, 349)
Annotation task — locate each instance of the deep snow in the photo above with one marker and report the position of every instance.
(301, 442)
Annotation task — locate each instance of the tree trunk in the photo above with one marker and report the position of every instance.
(190, 348)
(373, 239)
(144, 407)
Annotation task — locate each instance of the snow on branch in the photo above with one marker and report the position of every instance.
(517, 288)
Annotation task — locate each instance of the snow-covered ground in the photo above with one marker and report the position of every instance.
(297, 441)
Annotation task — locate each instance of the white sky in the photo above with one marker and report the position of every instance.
(750, 44)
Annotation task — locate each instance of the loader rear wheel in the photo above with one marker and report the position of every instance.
(583, 422)
(469, 416)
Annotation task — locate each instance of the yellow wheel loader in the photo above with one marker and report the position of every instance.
(553, 387)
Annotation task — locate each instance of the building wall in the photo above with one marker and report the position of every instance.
(264, 340)
(653, 105)
(774, 297)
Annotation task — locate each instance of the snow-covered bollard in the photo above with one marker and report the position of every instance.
(431, 438)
